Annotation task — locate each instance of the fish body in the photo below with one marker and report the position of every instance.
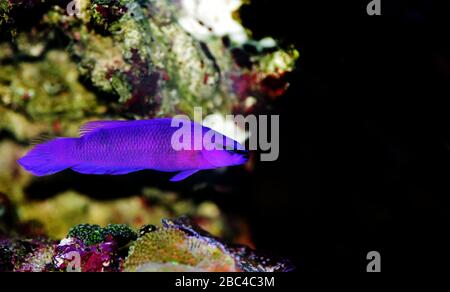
(122, 147)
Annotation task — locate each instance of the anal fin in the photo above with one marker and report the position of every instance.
(183, 175)
(89, 169)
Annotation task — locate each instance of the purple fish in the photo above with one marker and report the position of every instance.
(122, 147)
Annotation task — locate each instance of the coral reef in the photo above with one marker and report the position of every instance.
(169, 249)
(245, 258)
(73, 255)
(178, 245)
(122, 59)
(138, 54)
(60, 213)
(26, 255)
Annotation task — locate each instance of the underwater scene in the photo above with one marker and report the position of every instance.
(276, 137)
(130, 132)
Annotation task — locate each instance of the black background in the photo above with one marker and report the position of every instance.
(365, 134)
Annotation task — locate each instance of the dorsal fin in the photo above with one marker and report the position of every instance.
(91, 127)
(42, 138)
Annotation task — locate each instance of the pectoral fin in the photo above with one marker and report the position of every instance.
(183, 175)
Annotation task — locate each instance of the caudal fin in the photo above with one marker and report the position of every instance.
(46, 159)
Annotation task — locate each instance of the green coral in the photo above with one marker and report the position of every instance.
(94, 234)
(121, 233)
(89, 234)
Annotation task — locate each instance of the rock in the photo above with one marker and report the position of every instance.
(182, 246)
